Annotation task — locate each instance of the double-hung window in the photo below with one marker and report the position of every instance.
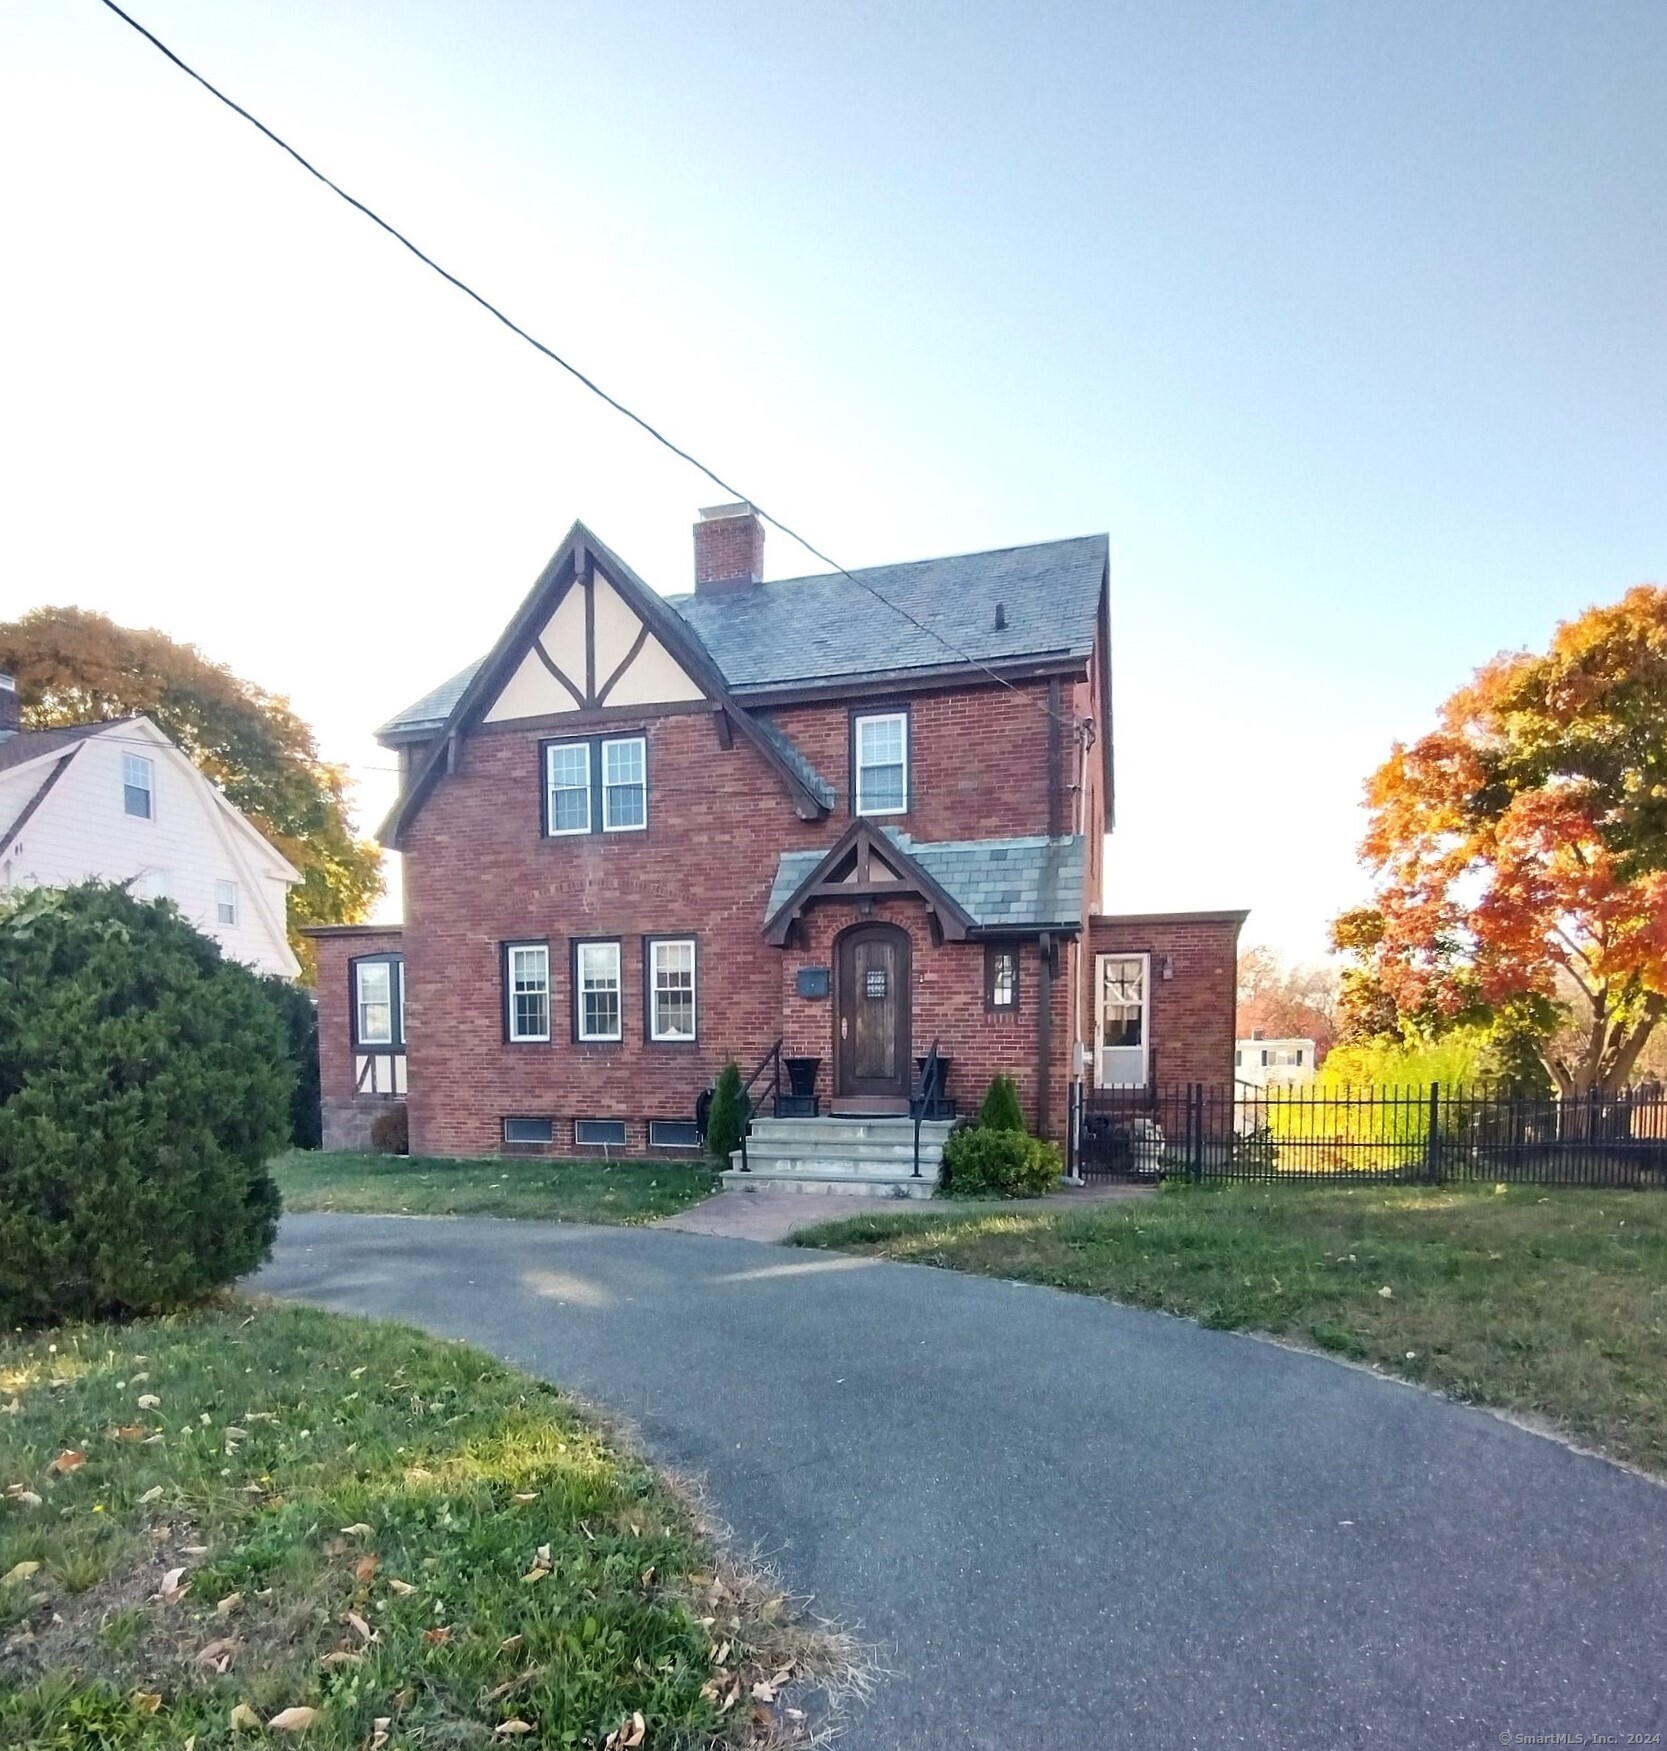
(671, 988)
(880, 759)
(527, 990)
(567, 787)
(225, 902)
(596, 991)
(138, 785)
(376, 1002)
(597, 785)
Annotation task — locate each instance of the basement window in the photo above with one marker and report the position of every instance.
(529, 1131)
(599, 1133)
(673, 1134)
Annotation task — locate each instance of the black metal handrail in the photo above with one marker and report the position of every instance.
(771, 1061)
(931, 1092)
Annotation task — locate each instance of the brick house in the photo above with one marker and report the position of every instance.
(648, 834)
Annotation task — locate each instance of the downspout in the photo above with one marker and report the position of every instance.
(1085, 741)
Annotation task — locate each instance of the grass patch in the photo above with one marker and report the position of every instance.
(320, 1513)
(1549, 1303)
(562, 1191)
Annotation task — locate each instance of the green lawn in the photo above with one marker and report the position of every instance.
(568, 1191)
(1550, 1303)
(268, 1509)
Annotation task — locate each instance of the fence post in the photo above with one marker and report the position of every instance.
(1432, 1142)
(1195, 1130)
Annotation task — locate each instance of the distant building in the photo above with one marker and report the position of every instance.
(116, 801)
(1264, 1063)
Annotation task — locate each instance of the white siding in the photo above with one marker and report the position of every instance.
(193, 840)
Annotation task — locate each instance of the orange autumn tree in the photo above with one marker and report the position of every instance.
(1520, 852)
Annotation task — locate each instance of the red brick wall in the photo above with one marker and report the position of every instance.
(346, 1115)
(1191, 1020)
(478, 873)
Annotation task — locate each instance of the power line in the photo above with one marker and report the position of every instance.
(573, 370)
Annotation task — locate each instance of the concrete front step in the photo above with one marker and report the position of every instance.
(843, 1132)
(847, 1185)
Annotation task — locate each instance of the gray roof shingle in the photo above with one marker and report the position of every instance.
(1018, 883)
(827, 628)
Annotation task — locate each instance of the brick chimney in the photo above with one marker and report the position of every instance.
(9, 719)
(729, 549)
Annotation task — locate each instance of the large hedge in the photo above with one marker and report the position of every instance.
(144, 1083)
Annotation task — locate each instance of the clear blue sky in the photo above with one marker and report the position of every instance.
(1348, 323)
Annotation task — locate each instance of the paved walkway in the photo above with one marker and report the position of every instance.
(775, 1215)
(1066, 1523)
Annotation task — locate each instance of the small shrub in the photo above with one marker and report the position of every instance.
(981, 1163)
(390, 1130)
(1001, 1110)
(299, 1008)
(728, 1117)
(144, 1084)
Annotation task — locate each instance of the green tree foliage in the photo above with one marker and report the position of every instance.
(985, 1162)
(77, 667)
(1001, 1110)
(728, 1117)
(144, 1083)
(299, 1010)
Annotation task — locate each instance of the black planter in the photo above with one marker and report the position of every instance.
(801, 1076)
(944, 1061)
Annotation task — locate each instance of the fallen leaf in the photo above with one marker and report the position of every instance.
(218, 1654)
(235, 1434)
(635, 1737)
(512, 1729)
(1386, 1293)
(71, 1459)
(153, 1494)
(15, 1408)
(357, 1372)
(341, 1657)
(245, 1720)
(358, 1530)
(293, 1720)
(441, 1633)
(174, 1586)
(146, 1702)
(366, 1567)
(403, 1588)
(148, 1401)
(19, 1572)
(229, 1604)
(510, 1643)
(762, 1692)
(194, 1549)
(379, 1732)
(129, 1432)
(526, 1496)
(359, 1627)
(24, 1498)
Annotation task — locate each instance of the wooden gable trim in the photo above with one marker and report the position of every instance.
(576, 562)
(949, 920)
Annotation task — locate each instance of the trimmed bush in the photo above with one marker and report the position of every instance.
(1001, 1110)
(144, 1083)
(728, 1117)
(980, 1163)
(299, 1008)
(390, 1130)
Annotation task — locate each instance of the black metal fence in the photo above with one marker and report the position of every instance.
(1430, 1134)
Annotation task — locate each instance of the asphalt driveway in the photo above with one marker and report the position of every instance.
(1064, 1523)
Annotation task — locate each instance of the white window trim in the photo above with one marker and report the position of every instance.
(511, 950)
(1145, 1048)
(874, 717)
(149, 786)
(360, 1036)
(551, 830)
(579, 990)
(624, 826)
(618, 1142)
(221, 888)
(654, 1033)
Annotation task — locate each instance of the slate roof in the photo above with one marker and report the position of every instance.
(998, 882)
(827, 628)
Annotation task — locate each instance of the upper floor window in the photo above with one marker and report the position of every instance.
(1001, 977)
(671, 988)
(527, 981)
(600, 783)
(596, 991)
(379, 1001)
(225, 902)
(881, 761)
(138, 785)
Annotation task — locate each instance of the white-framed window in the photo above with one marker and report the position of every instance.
(596, 991)
(671, 988)
(225, 902)
(138, 786)
(599, 1133)
(1001, 977)
(567, 788)
(881, 758)
(625, 784)
(529, 1130)
(1121, 1032)
(156, 884)
(673, 1134)
(373, 1002)
(527, 989)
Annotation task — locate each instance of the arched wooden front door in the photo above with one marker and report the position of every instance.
(871, 1012)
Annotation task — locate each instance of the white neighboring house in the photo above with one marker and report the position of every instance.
(119, 802)
(1273, 1063)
